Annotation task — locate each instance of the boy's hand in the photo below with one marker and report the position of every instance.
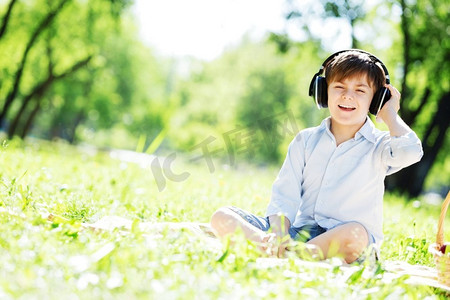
(280, 229)
(275, 245)
(388, 114)
(389, 110)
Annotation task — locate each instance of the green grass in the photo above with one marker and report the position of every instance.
(39, 259)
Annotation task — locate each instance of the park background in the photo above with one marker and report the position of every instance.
(83, 72)
(97, 119)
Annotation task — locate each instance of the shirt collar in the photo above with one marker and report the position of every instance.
(367, 130)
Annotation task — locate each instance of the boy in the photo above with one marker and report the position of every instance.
(330, 188)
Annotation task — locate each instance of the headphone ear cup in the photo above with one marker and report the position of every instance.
(321, 94)
(379, 99)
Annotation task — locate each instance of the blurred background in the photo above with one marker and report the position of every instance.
(165, 76)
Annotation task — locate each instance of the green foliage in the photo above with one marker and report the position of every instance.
(49, 259)
(408, 240)
(126, 93)
(209, 97)
(123, 91)
(238, 93)
(426, 89)
(115, 92)
(266, 92)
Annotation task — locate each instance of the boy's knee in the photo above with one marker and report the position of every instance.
(355, 242)
(358, 234)
(221, 217)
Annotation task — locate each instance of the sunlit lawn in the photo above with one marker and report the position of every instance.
(40, 259)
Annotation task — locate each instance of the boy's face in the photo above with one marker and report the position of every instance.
(349, 100)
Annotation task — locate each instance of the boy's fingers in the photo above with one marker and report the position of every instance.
(393, 90)
(281, 250)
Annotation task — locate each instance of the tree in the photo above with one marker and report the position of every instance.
(43, 25)
(306, 14)
(54, 49)
(266, 95)
(236, 104)
(425, 86)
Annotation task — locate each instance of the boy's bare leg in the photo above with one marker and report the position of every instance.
(347, 241)
(109, 223)
(225, 222)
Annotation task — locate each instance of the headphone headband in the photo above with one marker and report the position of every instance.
(371, 56)
(318, 85)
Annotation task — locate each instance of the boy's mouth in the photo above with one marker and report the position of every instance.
(346, 107)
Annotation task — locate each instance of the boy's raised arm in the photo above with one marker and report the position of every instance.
(404, 147)
(388, 114)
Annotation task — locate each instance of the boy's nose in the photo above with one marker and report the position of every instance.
(347, 95)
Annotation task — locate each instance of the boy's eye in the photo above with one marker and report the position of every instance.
(360, 91)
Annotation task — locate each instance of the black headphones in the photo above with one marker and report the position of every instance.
(318, 86)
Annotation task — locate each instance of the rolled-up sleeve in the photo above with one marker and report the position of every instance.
(401, 152)
(286, 190)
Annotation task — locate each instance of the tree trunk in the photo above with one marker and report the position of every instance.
(39, 91)
(78, 119)
(355, 44)
(411, 180)
(31, 118)
(5, 21)
(406, 59)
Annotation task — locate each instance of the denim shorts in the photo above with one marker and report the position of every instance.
(301, 234)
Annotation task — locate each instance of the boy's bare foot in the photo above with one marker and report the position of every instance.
(305, 251)
(267, 244)
(273, 245)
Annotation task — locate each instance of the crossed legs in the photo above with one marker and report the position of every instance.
(348, 240)
(225, 222)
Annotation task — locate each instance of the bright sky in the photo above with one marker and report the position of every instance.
(204, 28)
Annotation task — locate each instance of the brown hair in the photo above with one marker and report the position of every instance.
(354, 63)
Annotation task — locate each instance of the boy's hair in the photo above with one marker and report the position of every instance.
(354, 63)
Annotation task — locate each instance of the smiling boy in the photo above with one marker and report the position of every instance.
(329, 191)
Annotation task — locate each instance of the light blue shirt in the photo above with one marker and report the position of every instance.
(322, 184)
